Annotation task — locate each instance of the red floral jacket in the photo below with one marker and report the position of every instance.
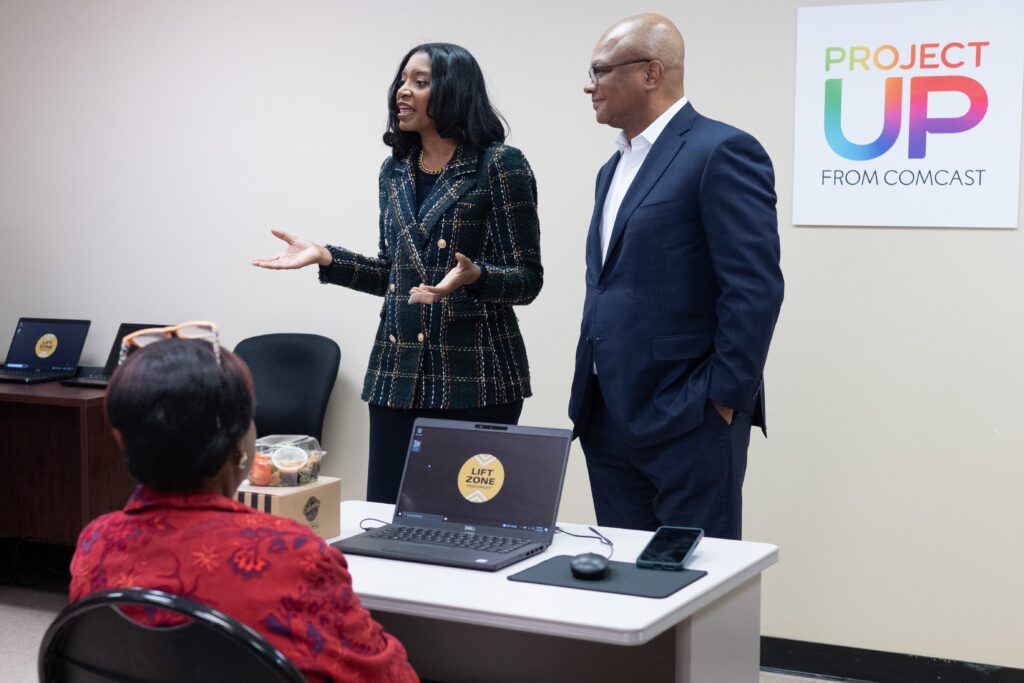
(270, 573)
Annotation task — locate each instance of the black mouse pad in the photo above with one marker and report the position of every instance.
(622, 577)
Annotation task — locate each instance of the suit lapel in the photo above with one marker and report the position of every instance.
(415, 227)
(458, 178)
(658, 159)
(604, 181)
(402, 199)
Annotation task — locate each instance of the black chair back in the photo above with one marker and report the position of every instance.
(294, 375)
(92, 640)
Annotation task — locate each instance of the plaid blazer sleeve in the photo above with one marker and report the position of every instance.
(358, 272)
(511, 256)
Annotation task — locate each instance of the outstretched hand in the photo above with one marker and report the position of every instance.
(464, 273)
(299, 254)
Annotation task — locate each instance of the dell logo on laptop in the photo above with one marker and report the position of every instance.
(470, 528)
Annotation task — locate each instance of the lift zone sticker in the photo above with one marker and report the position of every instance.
(481, 478)
(46, 345)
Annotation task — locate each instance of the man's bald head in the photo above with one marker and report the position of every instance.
(636, 72)
(648, 36)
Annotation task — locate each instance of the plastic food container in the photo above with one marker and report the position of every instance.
(286, 460)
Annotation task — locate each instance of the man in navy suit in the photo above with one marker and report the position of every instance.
(683, 291)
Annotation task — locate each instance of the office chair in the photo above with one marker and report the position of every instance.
(294, 375)
(92, 641)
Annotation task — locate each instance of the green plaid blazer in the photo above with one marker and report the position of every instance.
(466, 350)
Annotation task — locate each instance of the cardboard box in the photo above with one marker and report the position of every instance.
(317, 504)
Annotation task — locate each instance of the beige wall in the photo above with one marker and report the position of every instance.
(146, 149)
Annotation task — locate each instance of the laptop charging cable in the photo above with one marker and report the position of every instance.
(598, 536)
(364, 520)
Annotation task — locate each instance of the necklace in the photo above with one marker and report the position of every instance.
(426, 170)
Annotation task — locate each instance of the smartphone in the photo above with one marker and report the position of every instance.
(670, 548)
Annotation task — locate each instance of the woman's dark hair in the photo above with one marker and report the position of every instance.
(181, 414)
(458, 101)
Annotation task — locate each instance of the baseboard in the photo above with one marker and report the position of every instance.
(850, 663)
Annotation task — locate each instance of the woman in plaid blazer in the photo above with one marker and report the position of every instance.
(459, 246)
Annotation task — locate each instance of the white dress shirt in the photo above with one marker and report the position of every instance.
(631, 157)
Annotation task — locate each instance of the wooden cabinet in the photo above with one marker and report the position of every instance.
(59, 464)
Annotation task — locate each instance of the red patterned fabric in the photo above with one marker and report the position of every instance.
(270, 573)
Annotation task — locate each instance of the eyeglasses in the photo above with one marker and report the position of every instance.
(196, 329)
(598, 70)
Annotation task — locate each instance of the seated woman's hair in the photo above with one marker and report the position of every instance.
(458, 101)
(180, 413)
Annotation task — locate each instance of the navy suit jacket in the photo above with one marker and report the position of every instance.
(683, 308)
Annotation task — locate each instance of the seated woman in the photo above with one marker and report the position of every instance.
(182, 412)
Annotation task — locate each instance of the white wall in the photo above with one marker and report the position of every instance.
(147, 147)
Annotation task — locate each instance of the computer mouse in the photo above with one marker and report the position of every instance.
(589, 566)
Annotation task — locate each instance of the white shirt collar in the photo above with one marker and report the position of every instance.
(650, 134)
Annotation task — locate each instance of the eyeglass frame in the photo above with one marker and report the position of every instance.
(170, 332)
(597, 70)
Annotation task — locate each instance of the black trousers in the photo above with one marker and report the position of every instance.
(693, 480)
(390, 430)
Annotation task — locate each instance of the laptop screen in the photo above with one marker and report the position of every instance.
(115, 350)
(458, 473)
(40, 344)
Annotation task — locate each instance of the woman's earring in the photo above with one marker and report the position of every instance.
(241, 461)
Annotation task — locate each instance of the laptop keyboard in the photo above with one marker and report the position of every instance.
(30, 373)
(480, 542)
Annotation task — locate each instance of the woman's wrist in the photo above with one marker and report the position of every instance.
(325, 256)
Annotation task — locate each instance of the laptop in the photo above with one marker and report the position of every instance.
(100, 377)
(474, 495)
(44, 349)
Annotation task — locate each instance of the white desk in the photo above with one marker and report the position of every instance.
(466, 625)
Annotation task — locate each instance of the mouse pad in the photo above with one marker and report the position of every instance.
(622, 577)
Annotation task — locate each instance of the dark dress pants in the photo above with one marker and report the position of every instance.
(390, 430)
(694, 480)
